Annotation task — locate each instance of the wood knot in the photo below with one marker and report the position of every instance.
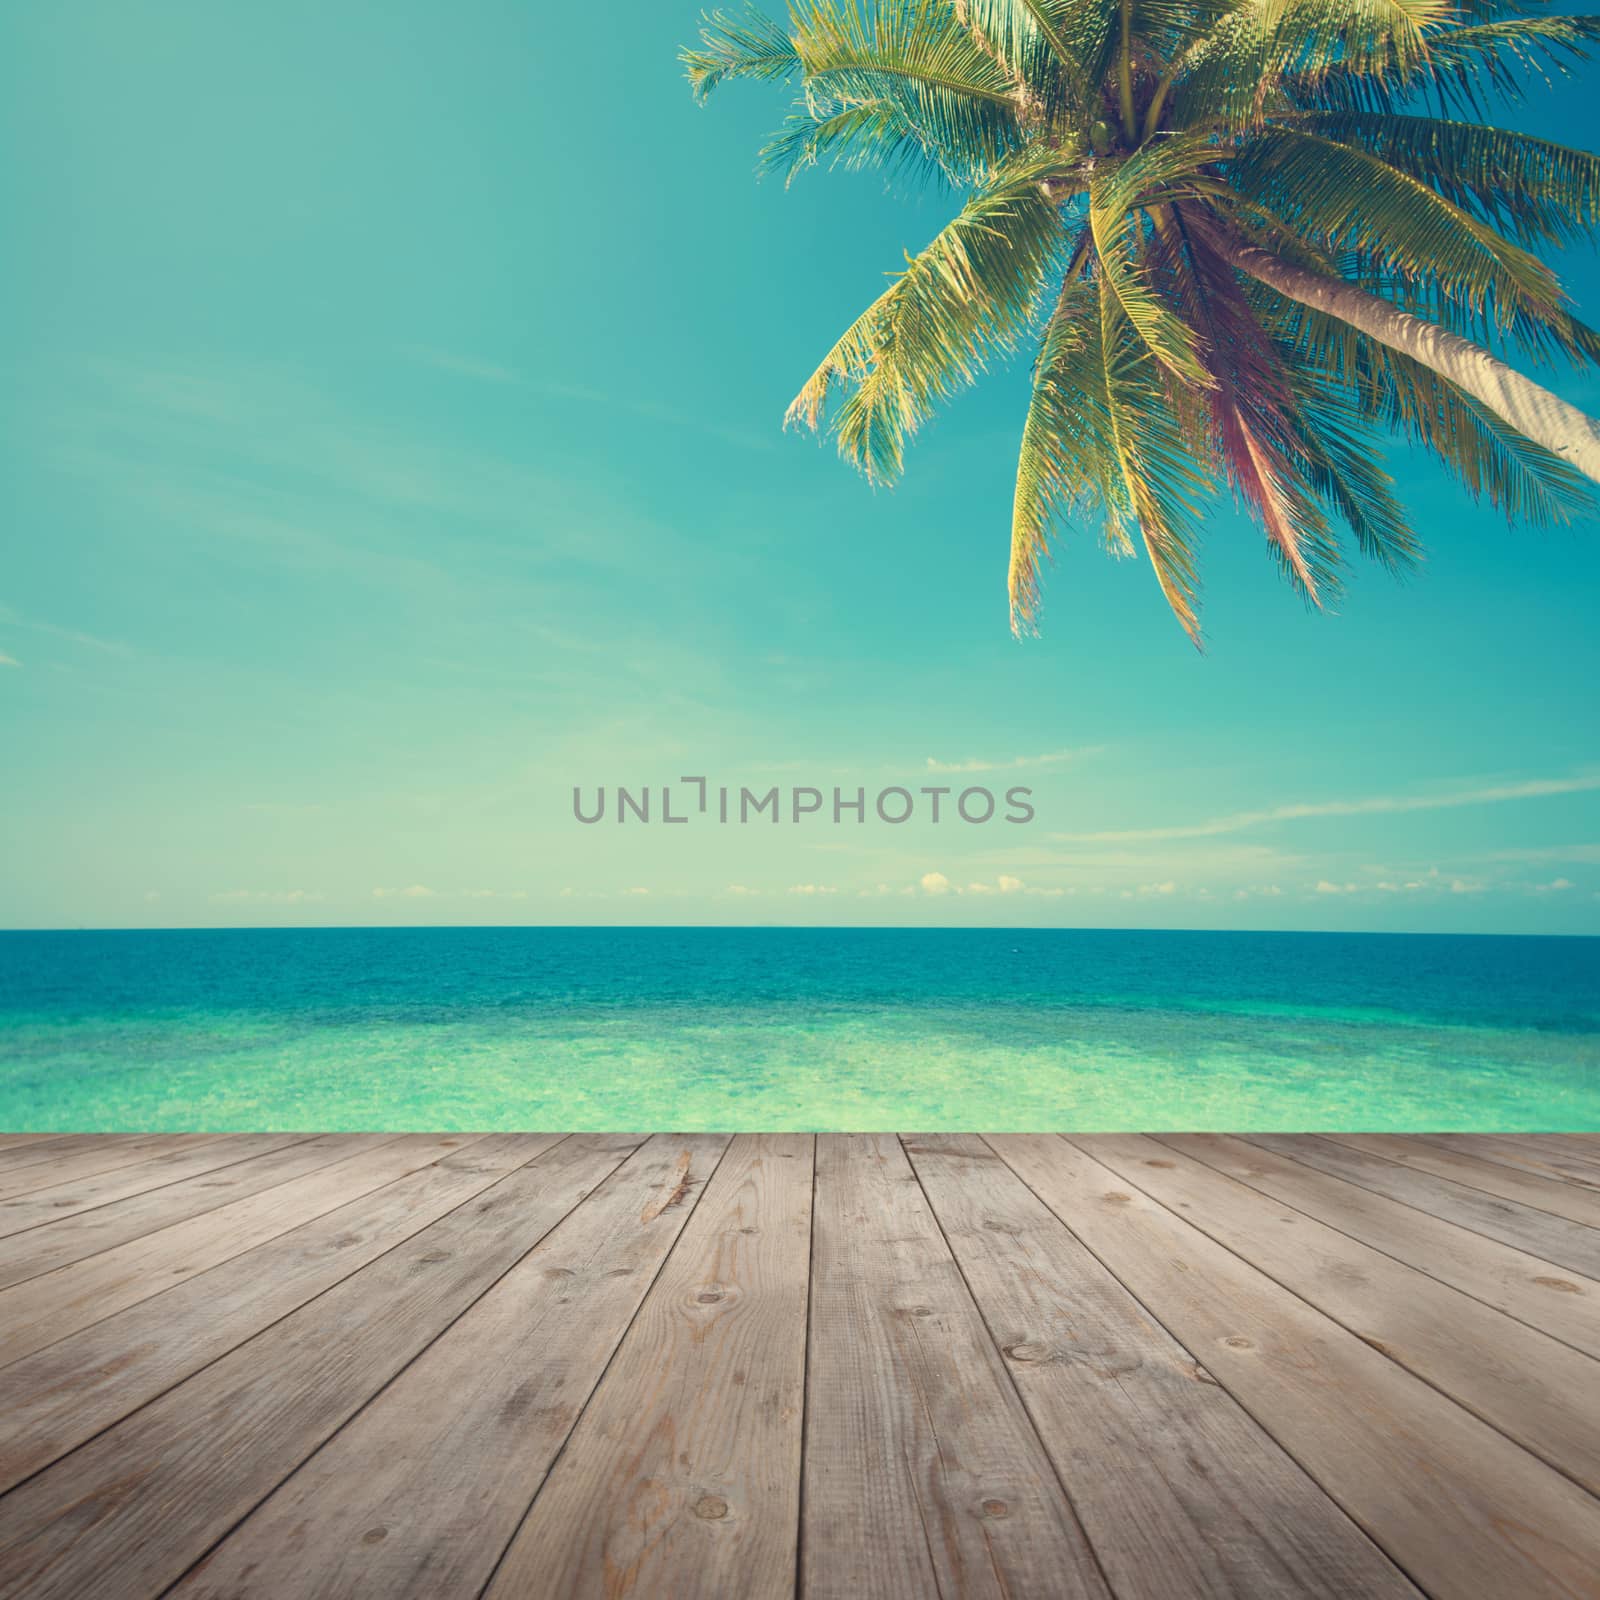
(994, 1508)
(1235, 1341)
(1117, 1197)
(1560, 1285)
(1162, 1164)
(433, 1257)
(1028, 1352)
(709, 1297)
(374, 1536)
(710, 1508)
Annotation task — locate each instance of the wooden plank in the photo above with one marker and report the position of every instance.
(41, 1310)
(14, 1141)
(1458, 1506)
(100, 1154)
(1576, 1147)
(418, 1495)
(66, 1393)
(60, 1201)
(1178, 1489)
(1557, 1196)
(1541, 1159)
(683, 1476)
(130, 1511)
(1539, 1293)
(1535, 1390)
(53, 1147)
(923, 1475)
(1551, 1238)
(45, 1248)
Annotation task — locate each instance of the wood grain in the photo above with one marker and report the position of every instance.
(1535, 1390)
(43, 1309)
(1560, 1303)
(1179, 1491)
(1526, 1155)
(60, 1201)
(71, 1160)
(1455, 1504)
(43, 1248)
(683, 1476)
(1555, 1195)
(923, 1473)
(1538, 1233)
(494, 1397)
(54, 1400)
(136, 1506)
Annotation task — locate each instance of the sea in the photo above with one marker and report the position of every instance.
(790, 1028)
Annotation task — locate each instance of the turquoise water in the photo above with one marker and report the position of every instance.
(462, 1028)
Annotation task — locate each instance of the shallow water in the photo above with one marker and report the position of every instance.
(457, 1028)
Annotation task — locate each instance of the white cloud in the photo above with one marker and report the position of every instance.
(1531, 789)
(739, 888)
(935, 883)
(1009, 885)
(1048, 759)
(981, 888)
(277, 897)
(1555, 886)
(636, 891)
(812, 888)
(417, 891)
(8, 661)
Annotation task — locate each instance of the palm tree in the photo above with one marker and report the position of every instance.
(1242, 238)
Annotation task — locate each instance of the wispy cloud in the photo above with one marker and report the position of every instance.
(270, 897)
(1372, 805)
(14, 619)
(417, 891)
(650, 410)
(1049, 759)
(8, 661)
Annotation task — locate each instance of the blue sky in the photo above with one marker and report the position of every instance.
(392, 441)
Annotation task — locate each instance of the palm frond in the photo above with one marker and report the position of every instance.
(1153, 456)
(1491, 460)
(915, 55)
(877, 134)
(964, 299)
(1117, 193)
(1226, 74)
(1400, 222)
(1529, 189)
(747, 45)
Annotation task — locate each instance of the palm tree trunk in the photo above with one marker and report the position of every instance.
(1534, 412)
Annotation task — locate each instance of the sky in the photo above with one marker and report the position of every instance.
(392, 443)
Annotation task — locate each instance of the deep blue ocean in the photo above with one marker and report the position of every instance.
(485, 1028)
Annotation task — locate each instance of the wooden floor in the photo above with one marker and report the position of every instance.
(860, 1367)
